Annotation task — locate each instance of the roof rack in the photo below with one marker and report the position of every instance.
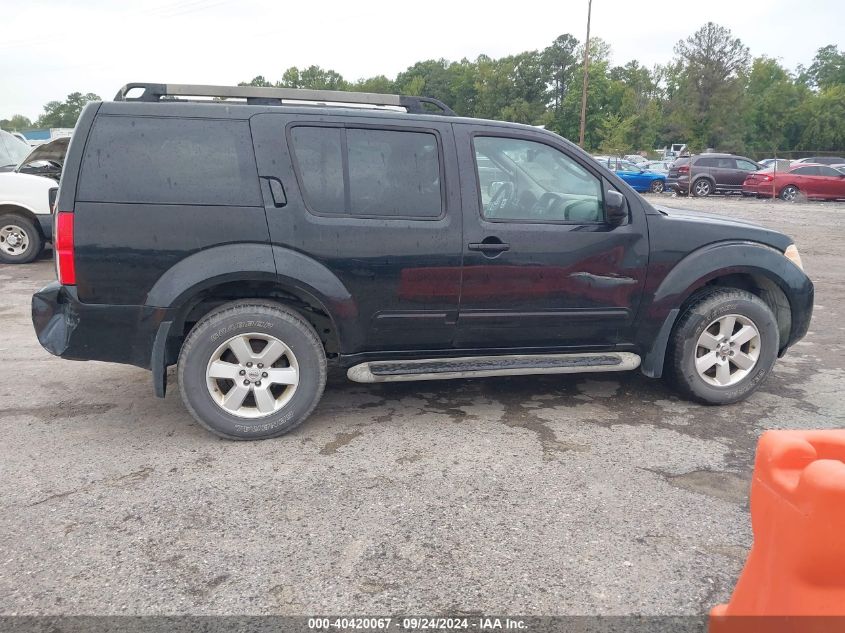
(255, 95)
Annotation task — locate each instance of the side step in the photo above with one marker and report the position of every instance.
(482, 366)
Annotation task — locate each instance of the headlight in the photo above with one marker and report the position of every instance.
(791, 253)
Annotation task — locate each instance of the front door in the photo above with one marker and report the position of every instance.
(541, 266)
(370, 199)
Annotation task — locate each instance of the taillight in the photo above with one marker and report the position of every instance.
(683, 169)
(63, 246)
(767, 178)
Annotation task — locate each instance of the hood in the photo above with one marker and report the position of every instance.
(54, 151)
(712, 227)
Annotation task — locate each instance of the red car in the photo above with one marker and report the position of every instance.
(798, 181)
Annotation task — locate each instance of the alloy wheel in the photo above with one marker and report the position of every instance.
(789, 193)
(702, 188)
(252, 375)
(727, 350)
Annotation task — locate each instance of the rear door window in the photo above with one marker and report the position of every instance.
(746, 165)
(169, 160)
(369, 173)
(393, 173)
(806, 171)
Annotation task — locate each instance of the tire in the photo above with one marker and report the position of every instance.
(702, 188)
(209, 351)
(709, 314)
(20, 241)
(790, 193)
(658, 186)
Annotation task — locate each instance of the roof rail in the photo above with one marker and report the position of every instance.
(278, 96)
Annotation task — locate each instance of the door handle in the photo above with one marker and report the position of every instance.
(489, 247)
(277, 191)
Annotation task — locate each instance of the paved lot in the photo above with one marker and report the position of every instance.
(558, 495)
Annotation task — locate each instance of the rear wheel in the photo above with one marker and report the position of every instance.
(702, 188)
(658, 186)
(252, 370)
(790, 193)
(20, 241)
(723, 346)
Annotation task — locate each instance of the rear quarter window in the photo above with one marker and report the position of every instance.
(168, 160)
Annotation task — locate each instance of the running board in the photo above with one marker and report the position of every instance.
(482, 366)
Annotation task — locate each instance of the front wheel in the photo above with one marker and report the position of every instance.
(723, 346)
(658, 186)
(252, 370)
(20, 241)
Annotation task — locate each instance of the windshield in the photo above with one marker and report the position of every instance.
(12, 149)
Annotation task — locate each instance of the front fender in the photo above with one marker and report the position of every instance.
(704, 265)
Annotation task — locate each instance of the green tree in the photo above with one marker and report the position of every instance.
(773, 100)
(825, 117)
(313, 77)
(65, 113)
(828, 67)
(16, 123)
(378, 84)
(258, 81)
(707, 85)
(560, 66)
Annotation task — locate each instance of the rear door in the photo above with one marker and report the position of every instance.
(374, 200)
(542, 269)
(832, 182)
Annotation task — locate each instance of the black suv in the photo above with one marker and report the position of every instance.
(710, 173)
(255, 243)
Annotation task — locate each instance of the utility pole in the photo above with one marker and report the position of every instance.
(586, 76)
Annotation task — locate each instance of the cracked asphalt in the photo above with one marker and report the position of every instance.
(572, 494)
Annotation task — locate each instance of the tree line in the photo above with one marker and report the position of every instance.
(711, 94)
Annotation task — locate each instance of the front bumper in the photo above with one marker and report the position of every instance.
(801, 304)
(74, 330)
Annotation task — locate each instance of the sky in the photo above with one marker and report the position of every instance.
(51, 48)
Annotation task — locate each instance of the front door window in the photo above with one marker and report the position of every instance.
(537, 183)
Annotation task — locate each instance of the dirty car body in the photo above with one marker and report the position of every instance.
(483, 248)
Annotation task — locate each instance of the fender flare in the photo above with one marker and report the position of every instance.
(694, 272)
(257, 262)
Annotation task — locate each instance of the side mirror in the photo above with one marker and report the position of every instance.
(615, 208)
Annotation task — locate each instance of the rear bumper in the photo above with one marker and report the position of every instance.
(74, 330)
(758, 189)
(677, 183)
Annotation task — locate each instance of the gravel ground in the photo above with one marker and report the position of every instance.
(531, 495)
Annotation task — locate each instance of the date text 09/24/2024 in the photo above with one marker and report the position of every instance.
(480, 623)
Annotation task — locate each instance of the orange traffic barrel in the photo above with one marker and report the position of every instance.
(794, 578)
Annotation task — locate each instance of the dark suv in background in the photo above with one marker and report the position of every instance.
(710, 173)
(254, 243)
